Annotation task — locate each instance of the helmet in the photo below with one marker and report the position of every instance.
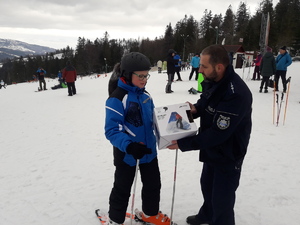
(134, 61)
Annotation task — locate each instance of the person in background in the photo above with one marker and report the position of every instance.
(41, 77)
(283, 60)
(59, 76)
(129, 127)
(256, 73)
(2, 84)
(224, 109)
(195, 63)
(178, 66)
(69, 75)
(267, 68)
(171, 62)
(159, 66)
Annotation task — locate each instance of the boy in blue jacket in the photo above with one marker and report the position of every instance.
(129, 128)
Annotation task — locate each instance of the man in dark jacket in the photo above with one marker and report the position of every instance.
(70, 75)
(224, 109)
(267, 68)
(171, 62)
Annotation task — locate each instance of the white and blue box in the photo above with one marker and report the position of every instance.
(173, 122)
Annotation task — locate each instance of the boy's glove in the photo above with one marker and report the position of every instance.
(138, 150)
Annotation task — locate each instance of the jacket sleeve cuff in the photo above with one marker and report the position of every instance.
(187, 144)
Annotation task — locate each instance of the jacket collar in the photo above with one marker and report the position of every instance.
(129, 87)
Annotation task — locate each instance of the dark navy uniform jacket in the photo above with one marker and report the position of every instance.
(225, 121)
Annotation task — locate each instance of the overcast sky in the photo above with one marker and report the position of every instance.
(58, 23)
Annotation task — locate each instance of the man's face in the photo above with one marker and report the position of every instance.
(281, 51)
(209, 72)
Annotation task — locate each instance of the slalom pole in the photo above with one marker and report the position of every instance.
(287, 98)
(173, 197)
(134, 187)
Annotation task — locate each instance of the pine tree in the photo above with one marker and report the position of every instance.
(228, 26)
(241, 22)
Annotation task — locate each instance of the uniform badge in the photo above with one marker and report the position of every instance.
(223, 122)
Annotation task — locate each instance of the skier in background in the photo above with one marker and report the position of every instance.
(41, 77)
(59, 76)
(195, 63)
(283, 60)
(256, 68)
(178, 66)
(267, 68)
(159, 66)
(69, 75)
(2, 84)
(171, 62)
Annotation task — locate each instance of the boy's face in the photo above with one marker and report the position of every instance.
(139, 78)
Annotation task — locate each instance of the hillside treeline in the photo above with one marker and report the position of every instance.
(186, 37)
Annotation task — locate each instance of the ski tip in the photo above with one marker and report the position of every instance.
(97, 212)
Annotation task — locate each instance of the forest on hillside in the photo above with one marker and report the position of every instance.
(186, 37)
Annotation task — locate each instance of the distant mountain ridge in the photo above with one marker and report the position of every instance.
(13, 48)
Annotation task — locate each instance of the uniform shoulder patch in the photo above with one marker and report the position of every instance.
(223, 122)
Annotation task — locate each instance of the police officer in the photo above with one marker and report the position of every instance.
(225, 110)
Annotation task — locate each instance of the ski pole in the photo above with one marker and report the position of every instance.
(173, 197)
(279, 109)
(134, 187)
(274, 94)
(287, 98)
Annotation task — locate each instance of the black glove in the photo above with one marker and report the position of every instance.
(138, 150)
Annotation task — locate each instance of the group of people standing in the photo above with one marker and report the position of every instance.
(225, 109)
(268, 66)
(68, 75)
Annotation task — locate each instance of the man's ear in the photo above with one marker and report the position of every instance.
(220, 68)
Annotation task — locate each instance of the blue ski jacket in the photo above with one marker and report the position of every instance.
(195, 62)
(283, 61)
(177, 57)
(129, 118)
(225, 121)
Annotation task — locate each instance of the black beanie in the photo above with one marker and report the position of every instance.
(171, 51)
(134, 61)
(283, 48)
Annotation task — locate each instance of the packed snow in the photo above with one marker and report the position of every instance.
(56, 166)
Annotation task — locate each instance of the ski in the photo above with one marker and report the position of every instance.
(279, 102)
(162, 219)
(134, 219)
(129, 219)
(40, 90)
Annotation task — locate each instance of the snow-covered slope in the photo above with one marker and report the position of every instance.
(56, 165)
